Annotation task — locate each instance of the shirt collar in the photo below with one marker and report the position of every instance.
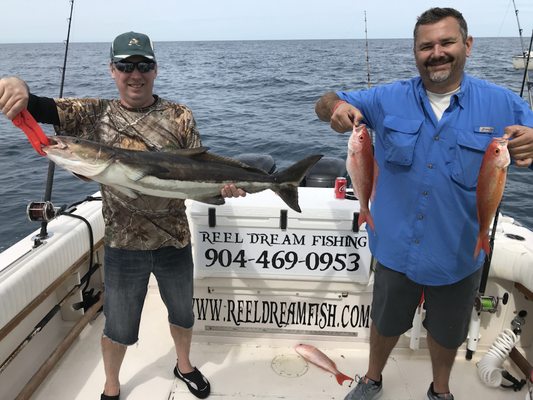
(465, 85)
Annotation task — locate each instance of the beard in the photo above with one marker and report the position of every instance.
(439, 76)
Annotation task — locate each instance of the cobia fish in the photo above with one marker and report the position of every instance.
(185, 174)
(363, 171)
(315, 356)
(490, 186)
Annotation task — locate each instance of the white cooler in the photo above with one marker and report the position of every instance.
(262, 268)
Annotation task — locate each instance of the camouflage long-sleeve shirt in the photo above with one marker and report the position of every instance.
(148, 222)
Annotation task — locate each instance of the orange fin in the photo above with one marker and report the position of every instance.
(342, 377)
(482, 243)
(365, 216)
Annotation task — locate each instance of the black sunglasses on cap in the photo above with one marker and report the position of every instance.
(128, 67)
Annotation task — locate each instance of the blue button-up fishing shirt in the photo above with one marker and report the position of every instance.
(424, 209)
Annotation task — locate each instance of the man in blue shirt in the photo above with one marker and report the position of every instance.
(430, 136)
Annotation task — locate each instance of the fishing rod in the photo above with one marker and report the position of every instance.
(493, 233)
(367, 60)
(525, 56)
(490, 303)
(519, 27)
(525, 79)
(43, 234)
(483, 303)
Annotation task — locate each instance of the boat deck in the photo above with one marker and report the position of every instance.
(247, 368)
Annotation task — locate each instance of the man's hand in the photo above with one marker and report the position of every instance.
(344, 117)
(232, 191)
(341, 115)
(14, 95)
(520, 144)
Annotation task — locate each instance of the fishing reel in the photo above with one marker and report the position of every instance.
(489, 303)
(519, 321)
(39, 211)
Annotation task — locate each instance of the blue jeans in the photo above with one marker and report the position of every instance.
(126, 275)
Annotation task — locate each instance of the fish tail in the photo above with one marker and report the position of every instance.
(289, 179)
(342, 377)
(365, 216)
(482, 243)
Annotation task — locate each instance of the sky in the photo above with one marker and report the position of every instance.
(43, 21)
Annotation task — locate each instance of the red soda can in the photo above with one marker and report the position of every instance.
(340, 187)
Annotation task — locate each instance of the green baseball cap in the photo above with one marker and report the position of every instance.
(132, 44)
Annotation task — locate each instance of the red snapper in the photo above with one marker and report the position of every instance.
(315, 356)
(490, 186)
(363, 170)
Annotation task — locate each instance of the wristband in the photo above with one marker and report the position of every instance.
(337, 104)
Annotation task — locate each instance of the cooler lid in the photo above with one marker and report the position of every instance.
(315, 203)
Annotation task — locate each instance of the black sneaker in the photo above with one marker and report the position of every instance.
(195, 381)
(431, 395)
(106, 397)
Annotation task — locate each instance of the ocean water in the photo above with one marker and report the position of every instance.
(247, 97)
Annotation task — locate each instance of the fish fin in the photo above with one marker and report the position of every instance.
(136, 174)
(355, 189)
(86, 170)
(127, 191)
(289, 194)
(289, 179)
(342, 377)
(194, 151)
(482, 243)
(83, 178)
(142, 170)
(365, 216)
(205, 156)
(214, 200)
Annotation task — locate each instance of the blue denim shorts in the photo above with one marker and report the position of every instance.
(126, 275)
(448, 307)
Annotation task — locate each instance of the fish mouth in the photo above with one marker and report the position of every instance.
(54, 143)
(53, 140)
(359, 128)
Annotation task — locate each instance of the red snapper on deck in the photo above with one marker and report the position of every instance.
(315, 356)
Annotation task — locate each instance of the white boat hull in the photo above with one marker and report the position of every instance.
(249, 322)
(519, 62)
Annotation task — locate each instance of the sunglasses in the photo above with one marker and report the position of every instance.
(128, 67)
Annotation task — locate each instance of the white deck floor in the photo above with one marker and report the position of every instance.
(246, 369)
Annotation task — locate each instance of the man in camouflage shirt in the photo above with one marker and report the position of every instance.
(147, 222)
(143, 235)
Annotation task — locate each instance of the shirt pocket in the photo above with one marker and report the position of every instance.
(469, 152)
(400, 139)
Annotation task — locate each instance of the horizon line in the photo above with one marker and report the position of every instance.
(247, 40)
